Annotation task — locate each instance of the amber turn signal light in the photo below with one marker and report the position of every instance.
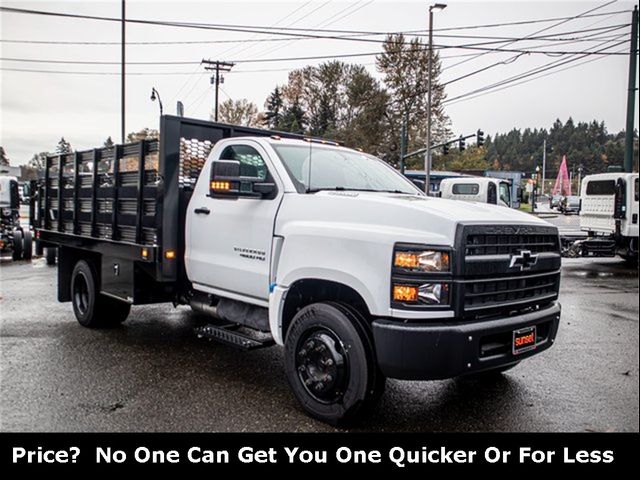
(217, 185)
(170, 254)
(405, 293)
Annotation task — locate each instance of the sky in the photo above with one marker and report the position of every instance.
(37, 108)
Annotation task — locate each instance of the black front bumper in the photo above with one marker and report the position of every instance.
(430, 351)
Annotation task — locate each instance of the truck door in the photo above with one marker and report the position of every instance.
(229, 239)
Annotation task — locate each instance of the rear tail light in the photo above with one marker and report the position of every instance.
(620, 206)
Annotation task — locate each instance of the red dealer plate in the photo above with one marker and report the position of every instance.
(524, 340)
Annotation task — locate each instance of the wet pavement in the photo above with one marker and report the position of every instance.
(153, 374)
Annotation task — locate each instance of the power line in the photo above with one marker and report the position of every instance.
(534, 71)
(409, 33)
(495, 89)
(253, 29)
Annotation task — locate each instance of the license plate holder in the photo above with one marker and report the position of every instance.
(524, 340)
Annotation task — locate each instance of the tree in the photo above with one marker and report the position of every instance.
(472, 158)
(108, 143)
(63, 147)
(4, 159)
(239, 112)
(37, 162)
(144, 134)
(405, 69)
(273, 110)
(293, 118)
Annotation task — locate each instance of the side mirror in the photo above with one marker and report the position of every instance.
(225, 178)
(227, 181)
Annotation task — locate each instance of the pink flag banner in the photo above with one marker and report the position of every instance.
(563, 185)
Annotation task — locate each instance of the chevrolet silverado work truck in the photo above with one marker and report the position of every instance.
(303, 243)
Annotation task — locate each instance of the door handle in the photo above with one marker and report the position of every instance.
(203, 210)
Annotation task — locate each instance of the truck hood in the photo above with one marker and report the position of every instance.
(405, 218)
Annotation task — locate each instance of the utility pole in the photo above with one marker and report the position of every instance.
(631, 93)
(122, 75)
(427, 156)
(544, 163)
(217, 66)
(403, 140)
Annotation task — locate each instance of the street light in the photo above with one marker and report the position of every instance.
(427, 156)
(155, 94)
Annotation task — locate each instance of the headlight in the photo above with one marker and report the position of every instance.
(422, 261)
(434, 293)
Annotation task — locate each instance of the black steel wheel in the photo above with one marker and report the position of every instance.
(92, 309)
(330, 363)
(17, 244)
(322, 365)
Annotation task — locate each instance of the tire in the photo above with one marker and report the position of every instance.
(27, 251)
(17, 245)
(330, 363)
(93, 310)
(50, 255)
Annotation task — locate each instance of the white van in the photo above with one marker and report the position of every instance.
(609, 213)
(477, 189)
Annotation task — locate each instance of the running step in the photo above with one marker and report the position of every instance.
(223, 334)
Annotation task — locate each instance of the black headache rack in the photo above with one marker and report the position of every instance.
(126, 204)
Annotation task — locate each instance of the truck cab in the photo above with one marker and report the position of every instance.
(303, 243)
(477, 189)
(609, 214)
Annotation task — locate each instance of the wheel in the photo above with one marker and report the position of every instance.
(490, 374)
(93, 310)
(27, 252)
(330, 363)
(17, 244)
(50, 255)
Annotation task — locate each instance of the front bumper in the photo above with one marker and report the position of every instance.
(433, 351)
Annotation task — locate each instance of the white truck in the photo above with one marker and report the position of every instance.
(609, 215)
(477, 189)
(327, 251)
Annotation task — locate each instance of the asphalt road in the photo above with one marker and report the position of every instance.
(153, 374)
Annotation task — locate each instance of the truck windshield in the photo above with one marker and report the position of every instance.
(314, 169)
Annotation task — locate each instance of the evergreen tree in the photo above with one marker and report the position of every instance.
(293, 119)
(274, 110)
(63, 147)
(108, 143)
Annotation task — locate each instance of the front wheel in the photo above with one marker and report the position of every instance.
(330, 363)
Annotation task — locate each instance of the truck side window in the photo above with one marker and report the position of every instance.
(601, 187)
(465, 189)
(251, 162)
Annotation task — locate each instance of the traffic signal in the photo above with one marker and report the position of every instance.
(480, 137)
(461, 144)
(445, 149)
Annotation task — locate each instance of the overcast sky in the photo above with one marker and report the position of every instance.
(38, 108)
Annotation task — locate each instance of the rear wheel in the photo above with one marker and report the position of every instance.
(27, 245)
(330, 363)
(50, 255)
(92, 309)
(17, 245)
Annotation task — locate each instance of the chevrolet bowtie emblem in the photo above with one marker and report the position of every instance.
(525, 260)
